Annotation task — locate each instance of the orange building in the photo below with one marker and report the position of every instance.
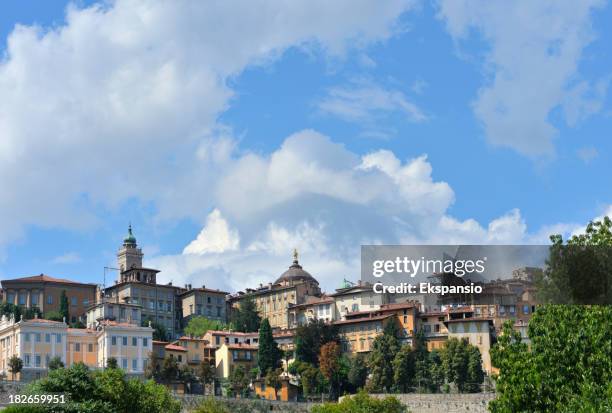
(286, 392)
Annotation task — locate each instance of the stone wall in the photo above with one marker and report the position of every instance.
(191, 402)
(447, 403)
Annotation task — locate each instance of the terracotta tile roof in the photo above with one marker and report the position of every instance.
(204, 290)
(187, 338)
(159, 342)
(363, 319)
(232, 333)
(397, 306)
(44, 278)
(174, 347)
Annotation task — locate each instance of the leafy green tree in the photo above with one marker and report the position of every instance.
(15, 365)
(309, 339)
(239, 381)
(159, 330)
(54, 316)
(312, 380)
(64, 308)
(384, 350)
(436, 371)
(357, 372)
(198, 326)
(566, 368)
(55, 363)
(579, 271)
(169, 369)
(104, 391)
(404, 368)
(111, 363)
(9, 308)
(206, 372)
(211, 405)
(153, 367)
(362, 403)
(462, 365)
(245, 318)
(31, 313)
(268, 354)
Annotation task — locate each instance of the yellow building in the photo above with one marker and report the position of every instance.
(293, 287)
(432, 325)
(230, 356)
(197, 350)
(357, 334)
(37, 341)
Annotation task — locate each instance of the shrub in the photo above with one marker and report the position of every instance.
(362, 403)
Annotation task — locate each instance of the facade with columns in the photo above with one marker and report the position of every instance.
(37, 341)
(44, 292)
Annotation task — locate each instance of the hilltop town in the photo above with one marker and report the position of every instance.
(138, 321)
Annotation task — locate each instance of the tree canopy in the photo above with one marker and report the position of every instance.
(101, 392)
(310, 337)
(567, 368)
(245, 318)
(580, 270)
(199, 325)
(268, 355)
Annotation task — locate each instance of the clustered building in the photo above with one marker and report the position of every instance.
(118, 318)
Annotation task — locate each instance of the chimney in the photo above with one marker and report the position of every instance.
(203, 286)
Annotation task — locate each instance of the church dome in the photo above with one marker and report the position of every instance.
(295, 273)
(130, 239)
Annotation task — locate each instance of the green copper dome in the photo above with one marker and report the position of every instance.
(130, 239)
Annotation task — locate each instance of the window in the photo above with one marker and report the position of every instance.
(90, 348)
(34, 299)
(248, 355)
(134, 364)
(190, 308)
(218, 311)
(151, 305)
(77, 346)
(525, 309)
(145, 342)
(134, 341)
(73, 301)
(85, 301)
(355, 307)
(134, 314)
(512, 309)
(37, 337)
(49, 299)
(47, 359)
(180, 358)
(58, 338)
(22, 299)
(47, 338)
(124, 364)
(26, 360)
(111, 311)
(11, 298)
(208, 300)
(122, 313)
(26, 337)
(124, 340)
(114, 340)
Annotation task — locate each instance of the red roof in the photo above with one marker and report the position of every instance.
(174, 347)
(44, 278)
(397, 306)
(363, 319)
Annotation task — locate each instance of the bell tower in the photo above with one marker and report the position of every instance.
(129, 255)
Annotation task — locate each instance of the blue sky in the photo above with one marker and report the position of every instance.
(227, 140)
